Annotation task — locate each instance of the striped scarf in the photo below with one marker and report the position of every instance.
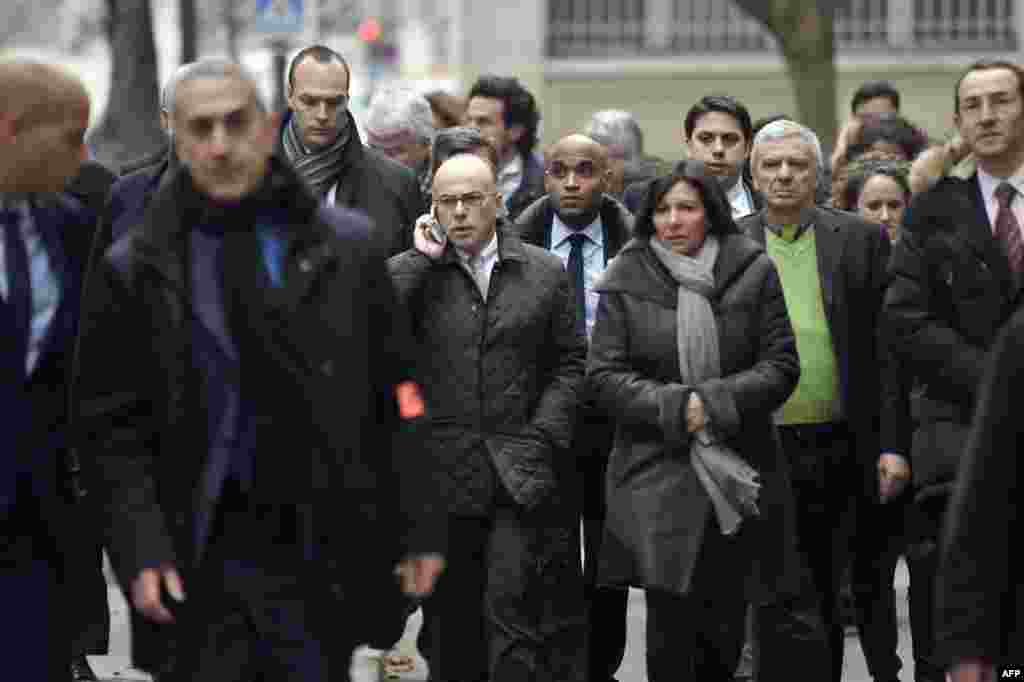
(319, 169)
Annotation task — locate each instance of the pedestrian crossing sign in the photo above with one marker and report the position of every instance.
(279, 18)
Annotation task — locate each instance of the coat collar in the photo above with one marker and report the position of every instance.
(829, 240)
(954, 208)
(177, 207)
(654, 282)
(534, 224)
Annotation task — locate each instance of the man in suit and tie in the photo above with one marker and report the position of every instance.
(956, 278)
(833, 271)
(247, 410)
(718, 131)
(44, 113)
(585, 227)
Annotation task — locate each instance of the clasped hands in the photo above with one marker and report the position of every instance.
(696, 415)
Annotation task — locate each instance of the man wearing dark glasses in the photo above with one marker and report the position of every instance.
(585, 228)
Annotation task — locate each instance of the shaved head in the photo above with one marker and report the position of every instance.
(466, 201)
(576, 177)
(38, 92)
(44, 113)
(580, 145)
(467, 165)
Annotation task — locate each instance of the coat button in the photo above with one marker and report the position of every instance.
(327, 368)
(305, 265)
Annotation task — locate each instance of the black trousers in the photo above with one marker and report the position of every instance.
(85, 585)
(491, 617)
(606, 606)
(699, 636)
(258, 608)
(806, 627)
(901, 527)
(35, 642)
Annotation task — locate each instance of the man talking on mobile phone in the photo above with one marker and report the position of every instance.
(501, 371)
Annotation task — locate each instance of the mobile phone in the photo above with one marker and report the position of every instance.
(438, 230)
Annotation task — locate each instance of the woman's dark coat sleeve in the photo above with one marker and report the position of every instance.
(774, 375)
(619, 388)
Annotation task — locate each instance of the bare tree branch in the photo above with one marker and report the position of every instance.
(189, 30)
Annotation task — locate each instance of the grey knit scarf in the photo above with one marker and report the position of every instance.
(731, 483)
(319, 169)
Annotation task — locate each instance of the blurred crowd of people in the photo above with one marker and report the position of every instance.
(299, 384)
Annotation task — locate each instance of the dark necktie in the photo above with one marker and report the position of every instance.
(575, 268)
(19, 281)
(1008, 229)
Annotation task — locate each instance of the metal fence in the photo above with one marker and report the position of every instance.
(651, 28)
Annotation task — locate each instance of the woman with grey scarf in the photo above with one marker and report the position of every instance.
(691, 353)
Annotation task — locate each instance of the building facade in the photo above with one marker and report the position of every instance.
(656, 57)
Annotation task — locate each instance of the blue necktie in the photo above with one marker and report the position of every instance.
(575, 268)
(19, 283)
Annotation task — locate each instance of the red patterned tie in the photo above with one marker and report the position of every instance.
(1008, 229)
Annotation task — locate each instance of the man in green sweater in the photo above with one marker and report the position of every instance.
(832, 266)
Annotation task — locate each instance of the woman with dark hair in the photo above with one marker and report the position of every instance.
(691, 353)
(887, 132)
(879, 191)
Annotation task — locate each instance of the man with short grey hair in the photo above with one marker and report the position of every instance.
(622, 136)
(218, 341)
(400, 125)
(833, 270)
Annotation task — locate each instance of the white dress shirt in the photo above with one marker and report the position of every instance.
(988, 184)
(481, 265)
(740, 199)
(593, 260)
(510, 177)
(45, 287)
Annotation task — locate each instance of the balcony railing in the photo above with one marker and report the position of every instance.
(651, 28)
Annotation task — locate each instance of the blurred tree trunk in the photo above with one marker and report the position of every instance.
(232, 27)
(805, 32)
(189, 31)
(130, 128)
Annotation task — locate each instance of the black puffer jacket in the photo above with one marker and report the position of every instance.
(657, 509)
(500, 377)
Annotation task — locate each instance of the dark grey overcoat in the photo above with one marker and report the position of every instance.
(657, 509)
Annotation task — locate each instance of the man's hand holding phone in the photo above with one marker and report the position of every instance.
(429, 236)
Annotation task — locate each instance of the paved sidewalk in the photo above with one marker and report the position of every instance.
(632, 670)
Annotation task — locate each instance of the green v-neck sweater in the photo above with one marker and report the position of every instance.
(816, 399)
